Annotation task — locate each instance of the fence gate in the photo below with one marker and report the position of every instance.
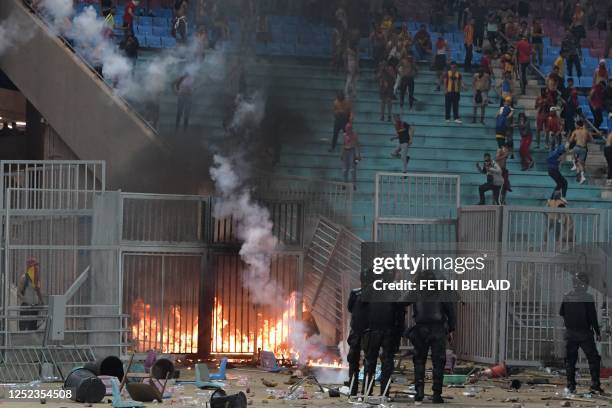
(331, 270)
(412, 207)
(163, 244)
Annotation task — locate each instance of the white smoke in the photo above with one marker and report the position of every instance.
(253, 228)
(13, 34)
(57, 13)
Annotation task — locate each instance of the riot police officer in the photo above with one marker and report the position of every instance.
(580, 320)
(385, 328)
(358, 310)
(434, 318)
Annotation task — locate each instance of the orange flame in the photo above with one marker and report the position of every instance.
(321, 363)
(172, 335)
(270, 334)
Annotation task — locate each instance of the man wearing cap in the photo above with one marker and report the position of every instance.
(580, 320)
(29, 294)
(453, 84)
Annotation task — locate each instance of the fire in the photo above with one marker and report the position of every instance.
(172, 335)
(270, 334)
(321, 363)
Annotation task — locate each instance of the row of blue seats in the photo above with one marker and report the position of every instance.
(157, 12)
(153, 41)
(152, 30)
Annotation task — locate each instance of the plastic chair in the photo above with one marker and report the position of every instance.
(118, 402)
(220, 375)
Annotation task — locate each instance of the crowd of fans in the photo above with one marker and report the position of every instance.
(506, 36)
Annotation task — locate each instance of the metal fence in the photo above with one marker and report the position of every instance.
(329, 199)
(415, 207)
(526, 246)
(74, 177)
(331, 270)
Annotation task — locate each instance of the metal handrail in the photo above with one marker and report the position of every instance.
(543, 77)
(84, 61)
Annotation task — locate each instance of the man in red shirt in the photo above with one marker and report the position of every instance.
(468, 41)
(129, 15)
(523, 55)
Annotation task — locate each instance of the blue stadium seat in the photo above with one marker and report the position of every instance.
(142, 39)
(161, 22)
(168, 42)
(144, 29)
(154, 42)
(148, 21)
(161, 31)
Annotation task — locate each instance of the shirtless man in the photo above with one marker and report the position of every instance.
(581, 136)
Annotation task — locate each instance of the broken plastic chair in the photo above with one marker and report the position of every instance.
(268, 362)
(220, 375)
(202, 376)
(118, 402)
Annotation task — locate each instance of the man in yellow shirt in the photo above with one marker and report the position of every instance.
(453, 84)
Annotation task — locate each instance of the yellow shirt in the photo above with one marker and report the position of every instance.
(453, 81)
(560, 63)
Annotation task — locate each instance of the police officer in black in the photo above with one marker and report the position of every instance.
(385, 328)
(434, 317)
(359, 314)
(580, 319)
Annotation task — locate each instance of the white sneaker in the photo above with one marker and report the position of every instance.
(582, 179)
(458, 121)
(573, 167)
(563, 199)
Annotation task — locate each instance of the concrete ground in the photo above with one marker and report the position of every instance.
(249, 380)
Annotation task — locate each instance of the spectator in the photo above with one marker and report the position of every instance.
(129, 15)
(501, 158)
(352, 68)
(524, 30)
(405, 136)
(596, 102)
(105, 7)
(523, 56)
(570, 107)
(386, 79)
(393, 52)
(494, 181)
(342, 112)
(422, 44)
(350, 152)
(468, 42)
(506, 89)
(453, 84)
(501, 122)
(537, 36)
(130, 48)
(109, 23)
(440, 60)
(510, 136)
(492, 27)
(570, 49)
(183, 87)
(407, 73)
(601, 72)
(577, 26)
(553, 161)
(608, 45)
(542, 105)
(526, 138)
(481, 85)
(554, 85)
(553, 128)
(29, 295)
(507, 62)
(337, 48)
(479, 16)
(202, 43)
(180, 27)
(485, 63)
(608, 155)
(581, 137)
(608, 98)
(378, 43)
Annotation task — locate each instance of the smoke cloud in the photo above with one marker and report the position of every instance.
(13, 34)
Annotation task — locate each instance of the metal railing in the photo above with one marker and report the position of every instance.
(416, 207)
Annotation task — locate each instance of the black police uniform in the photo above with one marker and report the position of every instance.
(385, 328)
(580, 318)
(434, 320)
(358, 310)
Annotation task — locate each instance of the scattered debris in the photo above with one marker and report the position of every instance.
(565, 404)
(268, 383)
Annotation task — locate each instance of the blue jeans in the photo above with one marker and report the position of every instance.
(348, 157)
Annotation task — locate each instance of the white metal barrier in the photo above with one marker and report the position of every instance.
(415, 207)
